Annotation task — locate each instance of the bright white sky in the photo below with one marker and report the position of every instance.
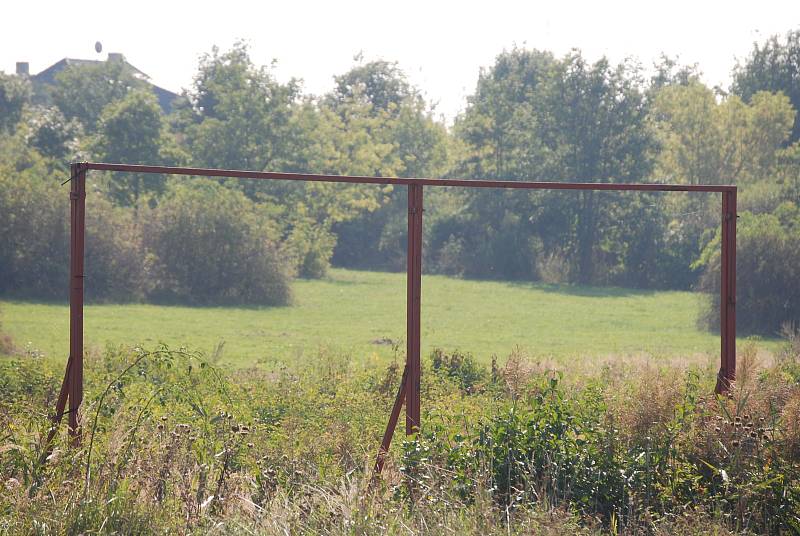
(440, 45)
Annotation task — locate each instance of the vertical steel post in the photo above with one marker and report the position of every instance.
(77, 196)
(727, 306)
(414, 288)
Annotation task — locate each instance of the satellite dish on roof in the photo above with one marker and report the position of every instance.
(98, 47)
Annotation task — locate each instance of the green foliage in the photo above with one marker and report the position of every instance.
(380, 83)
(732, 142)
(239, 117)
(382, 122)
(33, 233)
(772, 66)
(767, 260)
(498, 125)
(83, 91)
(488, 238)
(459, 367)
(131, 130)
(34, 238)
(116, 263)
(209, 244)
(555, 447)
(14, 95)
(133, 255)
(669, 72)
(528, 121)
(533, 116)
(311, 245)
(618, 456)
(52, 134)
(174, 446)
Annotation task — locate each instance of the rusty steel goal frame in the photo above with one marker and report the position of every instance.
(409, 389)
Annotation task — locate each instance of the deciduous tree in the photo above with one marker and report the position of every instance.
(82, 91)
(772, 66)
(132, 131)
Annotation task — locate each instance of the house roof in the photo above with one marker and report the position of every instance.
(48, 76)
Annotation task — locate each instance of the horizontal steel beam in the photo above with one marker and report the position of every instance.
(466, 183)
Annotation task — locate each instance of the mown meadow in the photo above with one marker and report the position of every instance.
(362, 314)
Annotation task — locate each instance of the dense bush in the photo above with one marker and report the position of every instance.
(203, 244)
(115, 260)
(502, 246)
(767, 272)
(34, 230)
(34, 241)
(459, 367)
(209, 244)
(309, 247)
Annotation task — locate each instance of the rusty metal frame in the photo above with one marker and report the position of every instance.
(409, 389)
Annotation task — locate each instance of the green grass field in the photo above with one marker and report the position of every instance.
(358, 313)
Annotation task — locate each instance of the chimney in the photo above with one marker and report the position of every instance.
(23, 68)
(115, 56)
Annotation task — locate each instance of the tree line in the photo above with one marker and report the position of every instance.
(533, 116)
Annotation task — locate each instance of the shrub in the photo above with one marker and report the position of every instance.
(767, 270)
(34, 230)
(448, 260)
(466, 245)
(34, 241)
(208, 244)
(203, 244)
(311, 246)
(458, 366)
(115, 259)
(555, 268)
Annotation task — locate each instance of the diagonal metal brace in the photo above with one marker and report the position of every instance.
(387, 436)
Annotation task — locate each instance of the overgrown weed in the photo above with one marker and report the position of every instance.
(171, 445)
